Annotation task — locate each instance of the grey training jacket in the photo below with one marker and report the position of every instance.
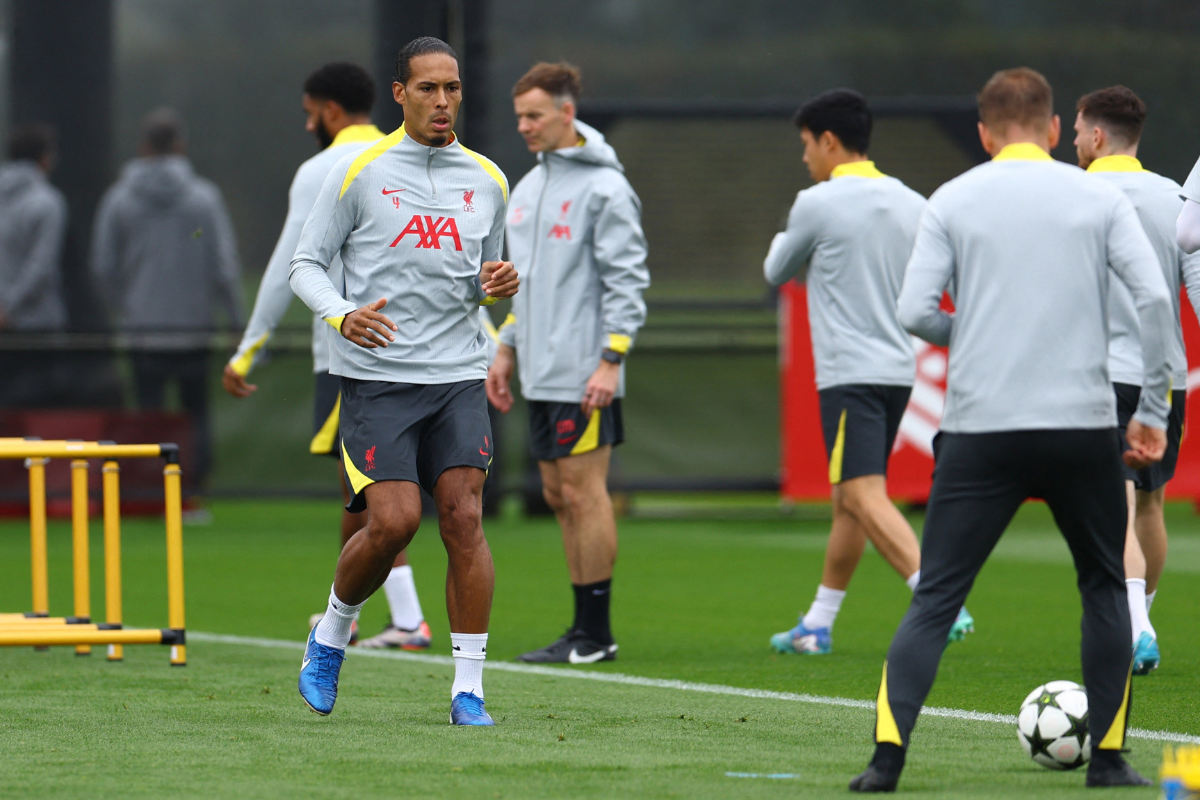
(1157, 202)
(1028, 246)
(33, 222)
(413, 225)
(163, 251)
(575, 234)
(849, 239)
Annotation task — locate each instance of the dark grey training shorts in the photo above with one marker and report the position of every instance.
(411, 432)
(1156, 475)
(860, 421)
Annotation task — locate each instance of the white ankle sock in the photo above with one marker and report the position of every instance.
(402, 598)
(913, 580)
(334, 628)
(1150, 599)
(1139, 617)
(824, 609)
(470, 650)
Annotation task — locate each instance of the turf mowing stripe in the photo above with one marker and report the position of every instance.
(659, 683)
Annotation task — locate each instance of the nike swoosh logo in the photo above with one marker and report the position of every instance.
(304, 664)
(575, 658)
(392, 191)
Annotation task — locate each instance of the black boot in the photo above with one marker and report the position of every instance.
(1108, 768)
(883, 773)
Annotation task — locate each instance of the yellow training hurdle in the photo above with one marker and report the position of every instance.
(38, 628)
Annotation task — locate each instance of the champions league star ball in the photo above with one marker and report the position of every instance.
(1053, 725)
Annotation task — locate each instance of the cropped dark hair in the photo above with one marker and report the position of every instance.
(163, 131)
(561, 81)
(423, 46)
(32, 141)
(842, 112)
(1117, 109)
(348, 85)
(1019, 96)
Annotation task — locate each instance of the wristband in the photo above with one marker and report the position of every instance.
(611, 356)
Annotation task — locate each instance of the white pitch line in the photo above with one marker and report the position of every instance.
(659, 683)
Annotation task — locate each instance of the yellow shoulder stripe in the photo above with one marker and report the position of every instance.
(370, 154)
(490, 169)
(241, 365)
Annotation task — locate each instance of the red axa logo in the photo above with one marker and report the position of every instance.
(430, 232)
(370, 459)
(560, 232)
(468, 197)
(565, 426)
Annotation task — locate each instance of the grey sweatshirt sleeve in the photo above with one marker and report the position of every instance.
(228, 272)
(508, 331)
(791, 250)
(493, 250)
(324, 232)
(1132, 258)
(619, 247)
(1187, 227)
(40, 269)
(274, 292)
(929, 273)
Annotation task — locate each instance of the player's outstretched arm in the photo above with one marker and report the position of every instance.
(499, 279)
(791, 250)
(499, 379)
(366, 327)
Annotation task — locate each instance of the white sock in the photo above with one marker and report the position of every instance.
(470, 650)
(1139, 617)
(913, 580)
(824, 609)
(334, 628)
(1150, 599)
(402, 598)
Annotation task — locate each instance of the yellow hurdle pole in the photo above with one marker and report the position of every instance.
(112, 552)
(60, 637)
(173, 491)
(37, 535)
(79, 541)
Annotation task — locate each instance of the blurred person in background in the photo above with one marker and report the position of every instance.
(337, 100)
(164, 257)
(575, 227)
(33, 224)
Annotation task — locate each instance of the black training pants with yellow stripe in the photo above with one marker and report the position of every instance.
(979, 481)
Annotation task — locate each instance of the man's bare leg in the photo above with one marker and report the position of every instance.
(1135, 571)
(865, 498)
(1151, 532)
(576, 489)
(470, 576)
(847, 541)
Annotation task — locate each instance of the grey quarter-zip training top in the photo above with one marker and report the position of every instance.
(413, 224)
(1027, 247)
(849, 239)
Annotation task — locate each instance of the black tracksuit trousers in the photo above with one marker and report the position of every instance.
(979, 481)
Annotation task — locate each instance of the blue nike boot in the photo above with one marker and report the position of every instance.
(467, 709)
(319, 675)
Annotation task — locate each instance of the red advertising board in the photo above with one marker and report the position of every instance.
(805, 469)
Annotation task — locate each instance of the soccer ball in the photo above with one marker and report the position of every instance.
(1053, 725)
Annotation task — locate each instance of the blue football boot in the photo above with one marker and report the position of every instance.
(319, 675)
(809, 641)
(962, 626)
(1145, 654)
(467, 709)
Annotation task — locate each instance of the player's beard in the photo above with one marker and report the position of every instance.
(322, 134)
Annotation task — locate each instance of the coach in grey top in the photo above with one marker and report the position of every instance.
(1029, 246)
(33, 222)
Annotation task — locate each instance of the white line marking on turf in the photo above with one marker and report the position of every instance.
(659, 683)
(776, 775)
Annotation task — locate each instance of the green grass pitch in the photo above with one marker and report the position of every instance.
(693, 601)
